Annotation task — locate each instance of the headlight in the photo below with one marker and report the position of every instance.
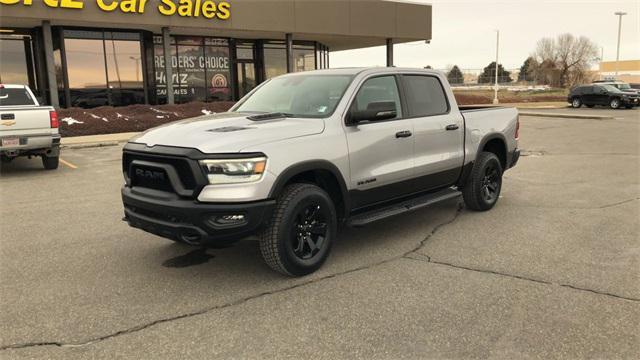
(234, 171)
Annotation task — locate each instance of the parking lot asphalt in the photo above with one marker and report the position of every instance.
(552, 272)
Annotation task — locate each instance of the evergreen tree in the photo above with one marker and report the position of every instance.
(527, 70)
(455, 76)
(489, 74)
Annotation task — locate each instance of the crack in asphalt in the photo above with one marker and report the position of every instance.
(428, 259)
(410, 255)
(232, 303)
(601, 207)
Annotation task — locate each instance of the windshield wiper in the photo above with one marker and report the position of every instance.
(270, 116)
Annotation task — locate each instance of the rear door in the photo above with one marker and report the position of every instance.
(600, 95)
(380, 153)
(439, 132)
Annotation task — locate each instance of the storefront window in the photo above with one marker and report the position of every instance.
(103, 68)
(13, 60)
(304, 58)
(201, 69)
(275, 60)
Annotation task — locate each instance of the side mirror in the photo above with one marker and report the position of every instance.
(376, 111)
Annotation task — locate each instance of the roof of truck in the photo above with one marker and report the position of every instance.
(357, 70)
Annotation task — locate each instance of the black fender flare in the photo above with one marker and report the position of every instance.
(496, 136)
(311, 165)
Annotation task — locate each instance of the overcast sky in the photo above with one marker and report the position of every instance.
(464, 32)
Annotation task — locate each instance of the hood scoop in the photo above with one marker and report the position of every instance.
(269, 116)
(228, 129)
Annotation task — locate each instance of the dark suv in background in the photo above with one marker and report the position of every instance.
(598, 94)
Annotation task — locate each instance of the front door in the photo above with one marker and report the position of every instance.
(439, 132)
(380, 153)
(246, 78)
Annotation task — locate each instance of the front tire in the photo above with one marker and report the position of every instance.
(615, 103)
(482, 191)
(50, 162)
(298, 239)
(576, 103)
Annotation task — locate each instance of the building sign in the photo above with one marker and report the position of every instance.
(210, 9)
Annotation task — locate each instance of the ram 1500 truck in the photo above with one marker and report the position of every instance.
(26, 128)
(303, 153)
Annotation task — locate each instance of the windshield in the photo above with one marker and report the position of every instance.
(611, 88)
(306, 96)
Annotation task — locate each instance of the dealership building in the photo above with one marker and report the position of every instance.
(88, 53)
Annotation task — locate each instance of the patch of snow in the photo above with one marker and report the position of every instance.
(159, 117)
(94, 116)
(119, 115)
(207, 112)
(160, 111)
(71, 121)
(105, 120)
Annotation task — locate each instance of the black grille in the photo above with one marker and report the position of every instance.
(183, 167)
(150, 177)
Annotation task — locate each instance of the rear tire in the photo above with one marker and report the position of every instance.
(298, 239)
(482, 191)
(576, 103)
(615, 103)
(50, 162)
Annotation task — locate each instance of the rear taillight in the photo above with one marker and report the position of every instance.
(518, 129)
(53, 117)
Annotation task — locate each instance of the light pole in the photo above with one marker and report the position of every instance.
(620, 15)
(495, 98)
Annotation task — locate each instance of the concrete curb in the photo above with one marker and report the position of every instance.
(83, 142)
(566, 116)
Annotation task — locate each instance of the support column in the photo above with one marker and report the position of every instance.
(168, 68)
(289, 39)
(390, 53)
(54, 99)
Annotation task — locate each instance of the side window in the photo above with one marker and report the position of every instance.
(377, 90)
(425, 96)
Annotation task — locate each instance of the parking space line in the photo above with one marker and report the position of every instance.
(64, 162)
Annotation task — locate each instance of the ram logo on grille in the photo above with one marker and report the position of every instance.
(150, 175)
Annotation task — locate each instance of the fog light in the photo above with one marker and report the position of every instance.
(228, 220)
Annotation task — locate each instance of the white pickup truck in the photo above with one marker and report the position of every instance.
(26, 128)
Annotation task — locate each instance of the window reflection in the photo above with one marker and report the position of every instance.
(13, 62)
(85, 63)
(275, 60)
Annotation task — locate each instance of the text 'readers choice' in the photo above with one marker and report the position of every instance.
(209, 9)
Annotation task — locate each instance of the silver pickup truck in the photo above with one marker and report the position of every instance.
(26, 128)
(305, 152)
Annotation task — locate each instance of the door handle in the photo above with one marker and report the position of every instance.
(403, 134)
(452, 127)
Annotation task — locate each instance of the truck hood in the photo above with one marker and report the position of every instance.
(228, 132)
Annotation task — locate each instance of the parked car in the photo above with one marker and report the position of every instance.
(605, 95)
(26, 128)
(620, 85)
(304, 152)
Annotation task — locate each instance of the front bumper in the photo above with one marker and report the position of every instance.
(169, 216)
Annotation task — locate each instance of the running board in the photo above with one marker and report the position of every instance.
(403, 207)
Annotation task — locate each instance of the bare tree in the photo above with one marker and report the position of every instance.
(565, 60)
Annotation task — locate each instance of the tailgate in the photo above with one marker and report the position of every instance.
(24, 118)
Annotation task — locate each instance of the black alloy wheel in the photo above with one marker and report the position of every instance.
(297, 240)
(491, 183)
(309, 232)
(482, 189)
